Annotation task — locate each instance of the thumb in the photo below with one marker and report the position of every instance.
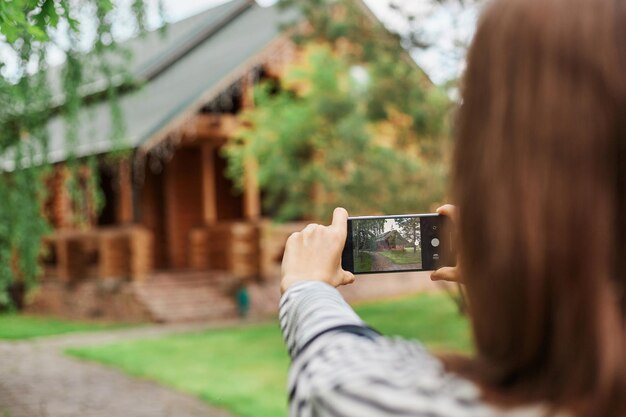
(348, 278)
(446, 273)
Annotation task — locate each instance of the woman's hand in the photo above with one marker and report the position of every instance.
(314, 254)
(447, 273)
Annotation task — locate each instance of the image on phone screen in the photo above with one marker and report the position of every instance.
(395, 244)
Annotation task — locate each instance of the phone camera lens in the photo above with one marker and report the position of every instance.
(434, 227)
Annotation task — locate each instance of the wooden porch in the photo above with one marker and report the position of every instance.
(183, 215)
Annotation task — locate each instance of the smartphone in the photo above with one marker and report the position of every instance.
(411, 242)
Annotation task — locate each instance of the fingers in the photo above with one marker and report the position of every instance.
(447, 273)
(293, 237)
(450, 211)
(309, 228)
(340, 221)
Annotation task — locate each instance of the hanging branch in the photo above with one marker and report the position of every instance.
(28, 28)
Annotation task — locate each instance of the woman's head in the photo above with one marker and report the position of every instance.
(540, 178)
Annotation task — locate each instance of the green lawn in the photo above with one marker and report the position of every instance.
(403, 257)
(244, 369)
(15, 326)
(363, 262)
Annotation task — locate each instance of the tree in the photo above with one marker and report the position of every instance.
(410, 228)
(317, 147)
(402, 105)
(29, 29)
(365, 231)
(356, 123)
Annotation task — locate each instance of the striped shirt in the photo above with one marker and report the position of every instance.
(342, 368)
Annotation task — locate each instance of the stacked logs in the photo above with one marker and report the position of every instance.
(74, 255)
(118, 252)
(232, 247)
(126, 252)
(142, 253)
(114, 250)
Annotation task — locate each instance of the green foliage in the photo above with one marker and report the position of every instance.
(28, 28)
(356, 124)
(244, 369)
(410, 228)
(365, 233)
(31, 18)
(318, 147)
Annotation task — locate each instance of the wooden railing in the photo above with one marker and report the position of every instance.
(124, 252)
(232, 247)
(244, 249)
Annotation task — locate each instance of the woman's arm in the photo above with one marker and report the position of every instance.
(341, 367)
(313, 308)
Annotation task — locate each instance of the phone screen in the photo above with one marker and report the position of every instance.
(418, 242)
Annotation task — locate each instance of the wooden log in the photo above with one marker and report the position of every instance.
(209, 197)
(125, 201)
(114, 249)
(199, 249)
(244, 251)
(210, 128)
(142, 253)
(252, 192)
(61, 207)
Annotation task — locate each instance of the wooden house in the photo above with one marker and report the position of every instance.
(391, 240)
(174, 237)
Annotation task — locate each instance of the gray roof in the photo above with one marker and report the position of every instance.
(392, 235)
(183, 70)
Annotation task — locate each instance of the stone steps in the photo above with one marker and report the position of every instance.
(186, 297)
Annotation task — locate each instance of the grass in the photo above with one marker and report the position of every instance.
(16, 327)
(403, 257)
(433, 319)
(363, 262)
(244, 370)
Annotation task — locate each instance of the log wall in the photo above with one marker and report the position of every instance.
(152, 214)
(183, 203)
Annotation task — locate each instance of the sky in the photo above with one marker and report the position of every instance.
(446, 26)
(390, 224)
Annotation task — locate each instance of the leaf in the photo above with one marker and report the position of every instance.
(37, 33)
(12, 33)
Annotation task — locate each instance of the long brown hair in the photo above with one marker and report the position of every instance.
(540, 178)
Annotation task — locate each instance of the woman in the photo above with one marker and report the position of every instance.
(540, 179)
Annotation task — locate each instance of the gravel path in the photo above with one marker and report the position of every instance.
(382, 263)
(37, 380)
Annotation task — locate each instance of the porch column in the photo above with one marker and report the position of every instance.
(61, 203)
(125, 204)
(209, 199)
(252, 192)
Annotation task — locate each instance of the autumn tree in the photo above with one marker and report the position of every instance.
(355, 123)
